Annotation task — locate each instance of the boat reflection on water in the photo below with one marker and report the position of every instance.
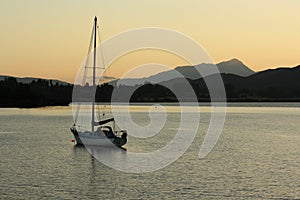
(108, 155)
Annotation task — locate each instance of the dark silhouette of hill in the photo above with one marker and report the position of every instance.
(236, 67)
(233, 66)
(30, 79)
(281, 84)
(37, 93)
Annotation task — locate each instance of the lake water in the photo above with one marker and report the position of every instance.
(257, 157)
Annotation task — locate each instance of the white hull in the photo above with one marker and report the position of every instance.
(94, 139)
(98, 138)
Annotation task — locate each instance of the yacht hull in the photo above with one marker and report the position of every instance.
(97, 139)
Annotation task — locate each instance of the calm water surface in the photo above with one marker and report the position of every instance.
(256, 157)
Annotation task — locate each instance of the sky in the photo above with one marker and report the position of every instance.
(50, 38)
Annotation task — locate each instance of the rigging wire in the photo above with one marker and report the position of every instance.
(88, 57)
(101, 80)
(102, 55)
(83, 82)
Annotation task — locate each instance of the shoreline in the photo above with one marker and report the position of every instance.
(204, 103)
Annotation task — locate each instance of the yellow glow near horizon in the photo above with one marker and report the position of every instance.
(50, 38)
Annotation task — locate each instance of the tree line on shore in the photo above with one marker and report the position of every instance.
(42, 92)
(38, 93)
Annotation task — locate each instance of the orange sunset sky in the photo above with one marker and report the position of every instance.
(50, 38)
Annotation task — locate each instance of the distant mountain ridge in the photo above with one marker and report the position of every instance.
(30, 79)
(233, 66)
(275, 85)
(281, 84)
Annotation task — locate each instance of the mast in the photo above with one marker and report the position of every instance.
(94, 72)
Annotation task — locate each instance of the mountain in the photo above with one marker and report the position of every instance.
(280, 83)
(280, 78)
(37, 93)
(30, 79)
(233, 66)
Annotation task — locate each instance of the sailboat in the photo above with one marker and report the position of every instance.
(99, 133)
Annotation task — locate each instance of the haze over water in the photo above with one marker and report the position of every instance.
(256, 157)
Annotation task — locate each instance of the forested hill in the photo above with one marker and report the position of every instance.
(37, 93)
(282, 84)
